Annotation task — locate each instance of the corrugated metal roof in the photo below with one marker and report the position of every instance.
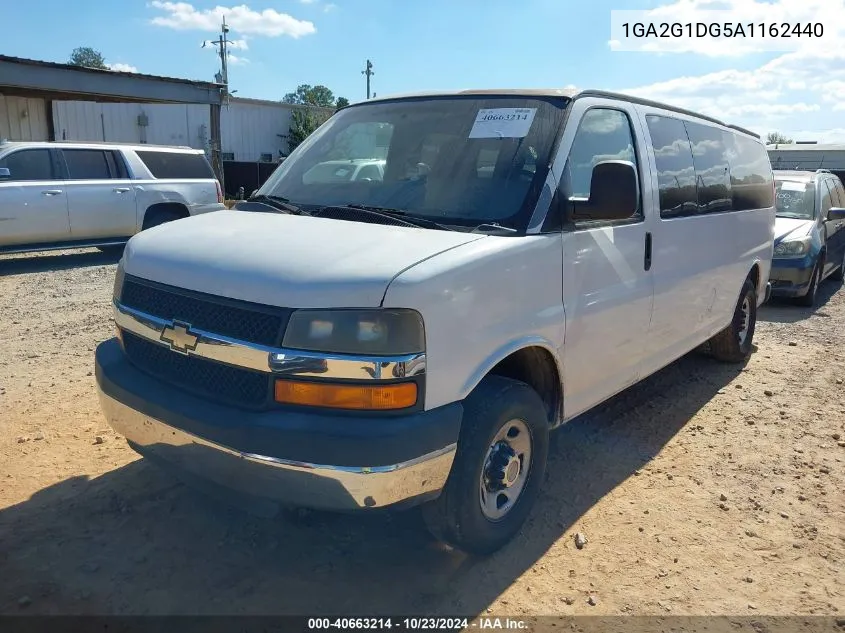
(800, 147)
(37, 62)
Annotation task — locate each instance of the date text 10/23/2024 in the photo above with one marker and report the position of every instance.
(416, 624)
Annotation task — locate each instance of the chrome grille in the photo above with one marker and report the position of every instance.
(240, 320)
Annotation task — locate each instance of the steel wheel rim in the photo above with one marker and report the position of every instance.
(744, 320)
(505, 470)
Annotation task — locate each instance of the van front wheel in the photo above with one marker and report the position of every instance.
(498, 468)
(734, 343)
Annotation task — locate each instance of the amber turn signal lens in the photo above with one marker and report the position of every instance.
(361, 397)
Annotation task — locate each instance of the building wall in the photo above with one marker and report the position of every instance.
(121, 123)
(248, 128)
(23, 119)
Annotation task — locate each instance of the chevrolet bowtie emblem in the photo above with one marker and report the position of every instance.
(180, 337)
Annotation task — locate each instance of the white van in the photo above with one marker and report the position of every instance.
(413, 339)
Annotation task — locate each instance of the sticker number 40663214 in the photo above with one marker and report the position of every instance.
(503, 123)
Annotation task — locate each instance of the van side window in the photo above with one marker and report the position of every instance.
(840, 190)
(751, 175)
(711, 168)
(675, 169)
(827, 198)
(603, 134)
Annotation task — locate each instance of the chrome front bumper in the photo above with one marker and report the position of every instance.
(286, 482)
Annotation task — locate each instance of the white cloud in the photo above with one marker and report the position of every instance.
(238, 44)
(235, 60)
(308, 1)
(329, 7)
(269, 22)
(122, 68)
(796, 93)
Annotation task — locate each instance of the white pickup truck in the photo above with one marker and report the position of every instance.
(76, 195)
(522, 256)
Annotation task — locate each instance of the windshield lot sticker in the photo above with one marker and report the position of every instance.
(792, 186)
(503, 123)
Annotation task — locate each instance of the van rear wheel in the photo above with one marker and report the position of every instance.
(498, 468)
(734, 343)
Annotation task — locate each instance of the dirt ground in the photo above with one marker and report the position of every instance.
(706, 489)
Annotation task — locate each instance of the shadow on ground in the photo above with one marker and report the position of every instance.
(779, 310)
(135, 542)
(53, 261)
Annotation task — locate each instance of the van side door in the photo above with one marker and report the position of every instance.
(833, 228)
(101, 198)
(33, 200)
(840, 230)
(607, 286)
(697, 259)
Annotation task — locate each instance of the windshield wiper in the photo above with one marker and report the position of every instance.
(493, 227)
(278, 202)
(398, 214)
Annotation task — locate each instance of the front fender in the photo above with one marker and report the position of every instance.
(502, 353)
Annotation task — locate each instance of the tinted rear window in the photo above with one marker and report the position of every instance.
(87, 164)
(176, 165)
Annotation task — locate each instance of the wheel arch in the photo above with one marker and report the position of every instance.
(177, 208)
(532, 360)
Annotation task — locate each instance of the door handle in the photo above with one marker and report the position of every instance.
(120, 189)
(52, 192)
(647, 258)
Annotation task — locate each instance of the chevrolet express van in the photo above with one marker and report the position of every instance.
(413, 338)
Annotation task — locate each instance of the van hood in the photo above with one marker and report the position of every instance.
(284, 260)
(791, 228)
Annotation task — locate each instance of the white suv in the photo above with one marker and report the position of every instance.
(73, 195)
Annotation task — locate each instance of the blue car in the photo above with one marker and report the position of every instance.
(809, 242)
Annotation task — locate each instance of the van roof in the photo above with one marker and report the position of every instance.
(567, 93)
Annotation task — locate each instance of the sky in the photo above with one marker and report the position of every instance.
(454, 44)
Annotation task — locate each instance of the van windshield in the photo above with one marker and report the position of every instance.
(460, 161)
(795, 199)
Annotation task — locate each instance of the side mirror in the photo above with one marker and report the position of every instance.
(614, 192)
(834, 213)
(5, 173)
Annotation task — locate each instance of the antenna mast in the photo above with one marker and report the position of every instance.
(368, 71)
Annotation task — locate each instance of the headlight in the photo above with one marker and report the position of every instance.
(793, 248)
(377, 332)
(118, 281)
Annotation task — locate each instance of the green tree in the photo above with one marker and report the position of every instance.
(302, 124)
(311, 95)
(88, 58)
(319, 96)
(776, 138)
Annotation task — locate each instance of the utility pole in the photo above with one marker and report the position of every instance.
(221, 77)
(222, 45)
(368, 71)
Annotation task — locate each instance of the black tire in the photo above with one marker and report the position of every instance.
(456, 516)
(839, 273)
(155, 218)
(809, 300)
(728, 345)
